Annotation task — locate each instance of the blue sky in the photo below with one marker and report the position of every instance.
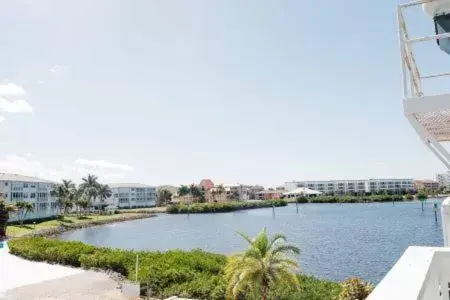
(170, 92)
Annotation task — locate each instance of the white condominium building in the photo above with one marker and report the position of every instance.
(14, 187)
(354, 186)
(132, 195)
(443, 179)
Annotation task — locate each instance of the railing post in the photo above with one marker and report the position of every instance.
(445, 215)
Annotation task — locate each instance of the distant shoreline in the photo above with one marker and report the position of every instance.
(53, 231)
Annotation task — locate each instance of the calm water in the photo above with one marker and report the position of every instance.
(336, 241)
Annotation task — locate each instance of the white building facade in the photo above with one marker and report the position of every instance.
(355, 186)
(443, 179)
(132, 195)
(14, 188)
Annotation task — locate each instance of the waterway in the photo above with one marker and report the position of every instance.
(336, 240)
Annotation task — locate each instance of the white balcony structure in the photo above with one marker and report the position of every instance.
(428, 113)
(423, 273)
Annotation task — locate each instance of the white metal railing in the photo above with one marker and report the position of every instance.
(426, 113)
(422, 273)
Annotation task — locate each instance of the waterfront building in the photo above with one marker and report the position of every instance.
(430, 185)
(443, 179)
(15, 187)
(354, 186)
(301, 191)
(244, 192)
(131, 195)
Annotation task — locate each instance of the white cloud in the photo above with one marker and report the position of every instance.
(27, 165)
(15, 106)
(2, 118)
(102, 164)
(12, 163)
(10, 89)
(41, 82)
(57, 68)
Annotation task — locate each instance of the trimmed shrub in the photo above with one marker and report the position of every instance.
(302, 199)
(422, 196)
(355, 289)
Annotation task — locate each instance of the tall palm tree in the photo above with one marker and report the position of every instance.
(64, 193)
(164, 196)
(23, 209)
(104, 192)
(264, 264)
(59, 192)
(198, 195)
(90, 187)
(5, 209)
(68, 185)
(220, 191)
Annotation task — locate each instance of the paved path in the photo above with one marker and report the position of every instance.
(84, 286)
(23, 279)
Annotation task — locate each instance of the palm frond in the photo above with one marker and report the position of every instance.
(277, 237)
(284, 249)
(245, 237)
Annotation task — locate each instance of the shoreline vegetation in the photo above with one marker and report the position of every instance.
(193, 274)
(353, 199)
(68, 223)
(219, 207)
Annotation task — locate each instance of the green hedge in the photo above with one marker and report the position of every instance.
(198, 208)
(352, 199)
(422, 196)
(192, 274)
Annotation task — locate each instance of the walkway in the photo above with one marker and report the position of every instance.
(23, 279)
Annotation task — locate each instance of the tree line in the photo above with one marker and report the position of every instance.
(82, 198)
(198, 194)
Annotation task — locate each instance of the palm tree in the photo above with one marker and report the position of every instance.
(197, 193)
(60, 193)
(220, 190)
(5, 209)
(23, 209)
(83, 204)
(104, 192)
(183, 191)
(264, 264)
(164, 196)
(90, 187)
(64, 193)
(68, 185)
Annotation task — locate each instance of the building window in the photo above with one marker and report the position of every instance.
(25, 185)
(33, 185)
(32, 195)
(6, 184)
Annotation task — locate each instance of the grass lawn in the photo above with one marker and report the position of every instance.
(68, 221)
